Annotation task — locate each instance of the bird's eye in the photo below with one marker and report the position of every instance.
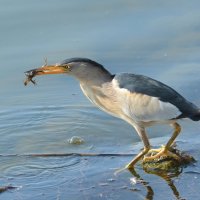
(67, 67)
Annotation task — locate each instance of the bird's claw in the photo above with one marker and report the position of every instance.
(160, 154)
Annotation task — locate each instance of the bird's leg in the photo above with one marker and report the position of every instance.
(141, 132)
(164, 151)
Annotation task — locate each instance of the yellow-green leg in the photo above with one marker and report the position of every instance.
(164, 151)
(141, 132)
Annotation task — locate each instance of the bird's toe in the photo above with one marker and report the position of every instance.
(160, 154)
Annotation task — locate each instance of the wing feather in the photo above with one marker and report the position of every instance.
(147, 86)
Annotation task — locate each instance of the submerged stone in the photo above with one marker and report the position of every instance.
(169, 163)
(76, 140)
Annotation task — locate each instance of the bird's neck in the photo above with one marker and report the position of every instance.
(96, 80)
(93, 84)
(103, 96)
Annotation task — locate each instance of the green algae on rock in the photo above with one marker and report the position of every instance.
(168, 163)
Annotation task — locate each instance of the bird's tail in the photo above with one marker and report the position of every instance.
(196, 116)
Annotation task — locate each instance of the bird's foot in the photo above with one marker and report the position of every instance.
(160, 154)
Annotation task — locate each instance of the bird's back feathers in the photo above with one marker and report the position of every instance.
(148, 86)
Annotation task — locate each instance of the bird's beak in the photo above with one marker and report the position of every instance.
(44, 70)
(47, 69)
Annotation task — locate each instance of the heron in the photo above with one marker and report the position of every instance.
(137, 99)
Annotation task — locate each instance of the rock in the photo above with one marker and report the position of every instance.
(168, 163)
(76, 140)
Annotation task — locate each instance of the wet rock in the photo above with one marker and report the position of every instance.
(5, 188)
(76, 140)
(169, 163)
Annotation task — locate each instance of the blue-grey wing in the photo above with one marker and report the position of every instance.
(148, 86)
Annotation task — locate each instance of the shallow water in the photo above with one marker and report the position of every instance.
(156, 39)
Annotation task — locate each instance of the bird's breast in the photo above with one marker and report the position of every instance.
(104, 98)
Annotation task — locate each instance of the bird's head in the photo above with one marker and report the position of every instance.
(81, 68)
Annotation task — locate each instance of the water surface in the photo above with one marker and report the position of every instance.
(157, 39)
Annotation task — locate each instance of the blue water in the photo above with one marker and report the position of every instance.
(154, 38)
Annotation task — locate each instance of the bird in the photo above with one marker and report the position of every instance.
(137, 99)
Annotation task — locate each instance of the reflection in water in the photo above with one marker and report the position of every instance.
(166, 176)
(150, 192)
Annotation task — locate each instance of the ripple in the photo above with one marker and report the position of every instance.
(31, 128)
(31, 166)
(38, 172)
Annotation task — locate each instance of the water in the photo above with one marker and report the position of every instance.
(157, 39)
